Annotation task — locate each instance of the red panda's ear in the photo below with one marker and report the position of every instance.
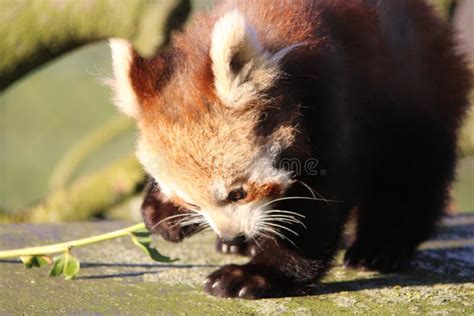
(242, 68)
(135, 78)
(125, 97)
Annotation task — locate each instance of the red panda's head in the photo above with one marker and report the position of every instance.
(211, 119)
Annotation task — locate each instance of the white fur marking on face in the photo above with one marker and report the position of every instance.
(124, 96)
(211, 223)
(219, 190)
(248, 216)
(263, 170)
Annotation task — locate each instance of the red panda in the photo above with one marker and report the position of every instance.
(268, 121)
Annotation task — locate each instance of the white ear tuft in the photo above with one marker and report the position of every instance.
(242, 69)
(231, 35)
(124, 96)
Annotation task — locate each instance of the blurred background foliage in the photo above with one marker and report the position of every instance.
(66, 152)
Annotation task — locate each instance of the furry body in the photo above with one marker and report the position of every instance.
(372, 92)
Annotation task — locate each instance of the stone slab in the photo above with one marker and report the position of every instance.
(117, 278)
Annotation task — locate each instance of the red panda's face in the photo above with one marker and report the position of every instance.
(216, 166)
(200, 118)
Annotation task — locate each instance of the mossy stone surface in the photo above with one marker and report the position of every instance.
(117, 278)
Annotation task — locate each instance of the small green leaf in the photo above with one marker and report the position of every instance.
(35, 261)
(40, 261)
(143, 240)
(58, 266)
(71, 267)
(65, 265)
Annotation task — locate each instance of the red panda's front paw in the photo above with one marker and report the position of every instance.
(246, 281)
(174, 233)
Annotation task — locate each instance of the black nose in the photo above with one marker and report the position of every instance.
(234, 241)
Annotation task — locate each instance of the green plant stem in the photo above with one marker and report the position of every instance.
(66, 246)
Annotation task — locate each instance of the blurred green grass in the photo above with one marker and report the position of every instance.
(45, 113)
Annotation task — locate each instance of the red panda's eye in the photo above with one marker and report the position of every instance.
(236, 195)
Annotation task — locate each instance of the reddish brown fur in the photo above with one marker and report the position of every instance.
(259, 191)
(376, 92)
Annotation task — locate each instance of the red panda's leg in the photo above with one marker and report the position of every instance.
(159, 216)
(406, 199)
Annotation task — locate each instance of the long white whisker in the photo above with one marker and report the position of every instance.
(196, 219)
(282, 227)
(174, 216)
(308, 187)
(284, 220)
(280, 217)
(296, 198)
(167, 219)
(261, 233)
(273, 231)
(201, 227)
(256, 242)
(190, 222)
(313, 192)
(284, 212)
(180, 217)
(206, 229)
